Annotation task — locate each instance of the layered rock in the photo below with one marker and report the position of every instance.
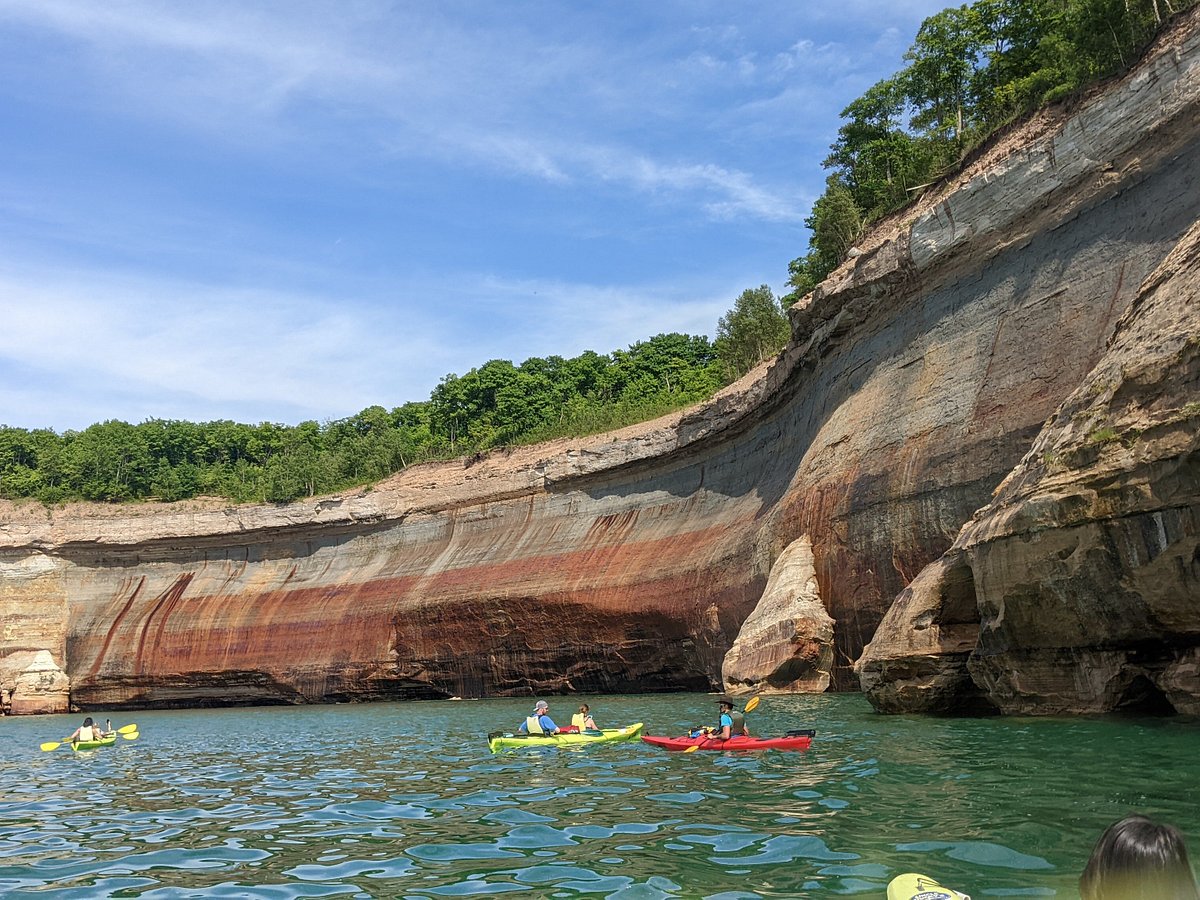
(1077, 589)
(918, 377)
(786, 643)
(917, 661)
(33, 626)
(41, 686)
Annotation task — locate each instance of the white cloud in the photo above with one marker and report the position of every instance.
(724, 193)
(200, 346)
(431, 90)
(287, 210)
(138, 347)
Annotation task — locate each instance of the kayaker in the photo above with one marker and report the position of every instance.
(583, 719)
(1138, 857)
(88, 731)
(540, 722)
(732, 722)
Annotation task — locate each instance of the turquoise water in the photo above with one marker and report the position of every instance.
(404, 800)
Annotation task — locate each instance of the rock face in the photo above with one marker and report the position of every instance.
(919, 376)
(1077, 589)
(786, 644)
(917, 661)
(41, 687)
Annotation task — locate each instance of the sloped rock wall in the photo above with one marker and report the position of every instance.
(1083, 574)
(917, 379)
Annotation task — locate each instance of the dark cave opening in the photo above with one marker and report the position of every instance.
(1142, 697)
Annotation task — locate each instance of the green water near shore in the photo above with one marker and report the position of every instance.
(404, 800)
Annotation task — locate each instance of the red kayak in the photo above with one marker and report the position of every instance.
(800, 740)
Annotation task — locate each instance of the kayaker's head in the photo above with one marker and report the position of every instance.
(87, 723)
(725, 701)
(583, 708)
(540, 707)
(1138, 857)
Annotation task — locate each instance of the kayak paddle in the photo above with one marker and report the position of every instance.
(130, 729)
(52, 745)
(131, 737)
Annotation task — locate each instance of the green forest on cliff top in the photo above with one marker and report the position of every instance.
(971, 71)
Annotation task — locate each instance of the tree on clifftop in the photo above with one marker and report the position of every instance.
(836, 223)
(755, 329)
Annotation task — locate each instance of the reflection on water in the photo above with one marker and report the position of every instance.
(404, 800)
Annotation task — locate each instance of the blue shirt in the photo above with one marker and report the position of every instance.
(546, 722)
(727, 719)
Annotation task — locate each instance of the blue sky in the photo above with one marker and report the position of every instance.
(287, 211)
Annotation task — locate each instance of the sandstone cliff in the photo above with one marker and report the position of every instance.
(919, 377)
(1077, 589)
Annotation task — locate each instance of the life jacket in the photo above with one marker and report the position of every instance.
(533, 725)
(86, 733)
(738, 725)
(579, 720)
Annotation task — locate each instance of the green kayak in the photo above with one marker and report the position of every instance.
(92, 745)
(507, 740)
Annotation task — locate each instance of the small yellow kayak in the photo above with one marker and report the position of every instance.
(92, 745)
(911, 886)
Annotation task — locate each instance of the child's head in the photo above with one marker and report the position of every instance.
(583, 708)
(1139, 859)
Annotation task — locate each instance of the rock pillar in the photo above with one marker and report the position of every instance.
(786, 643)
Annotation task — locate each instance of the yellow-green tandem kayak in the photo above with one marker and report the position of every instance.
(92, 745)
(507, 740)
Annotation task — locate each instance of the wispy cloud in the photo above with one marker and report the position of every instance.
(433, 89)
(218, 347)
(288, 209)
(733, 193)
(159, 344)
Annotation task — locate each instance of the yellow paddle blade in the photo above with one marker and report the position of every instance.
(753, 704)
(692, 749)
(131, 737)
(52, 745)
(127, 729)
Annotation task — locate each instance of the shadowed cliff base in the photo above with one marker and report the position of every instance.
(1036, 286)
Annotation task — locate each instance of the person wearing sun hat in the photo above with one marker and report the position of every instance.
(732, 723)
(540, 722)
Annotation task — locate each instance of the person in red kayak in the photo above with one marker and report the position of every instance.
(732, 722)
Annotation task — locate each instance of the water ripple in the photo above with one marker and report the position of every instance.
(273, 803)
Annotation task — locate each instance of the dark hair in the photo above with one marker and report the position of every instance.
(583, 707)
(1139, 859)
(87, 723)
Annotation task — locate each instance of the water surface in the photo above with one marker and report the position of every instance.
(404, 800)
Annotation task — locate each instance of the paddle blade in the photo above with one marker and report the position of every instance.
(753, 704)
(127, 729)
(131, 737)
(52, 745)
(692, 749)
